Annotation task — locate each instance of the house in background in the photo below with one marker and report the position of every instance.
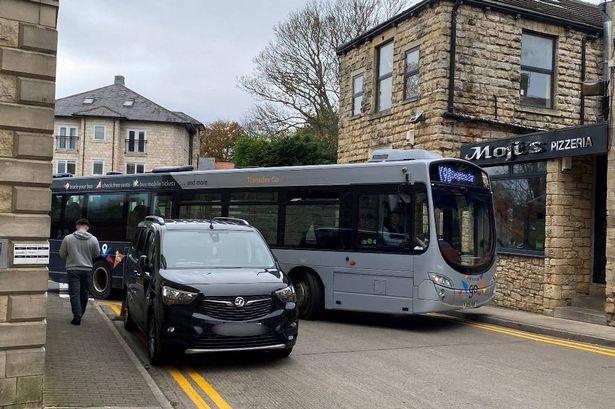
(114, 129)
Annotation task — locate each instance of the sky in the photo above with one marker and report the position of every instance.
(185, 55)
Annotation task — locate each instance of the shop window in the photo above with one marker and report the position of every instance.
(519, 198)
(411, 74)
(537, 59)
(385, 77)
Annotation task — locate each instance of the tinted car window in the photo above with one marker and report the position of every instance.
(216, 249)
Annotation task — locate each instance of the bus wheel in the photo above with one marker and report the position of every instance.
(100, 285)
(309, 296)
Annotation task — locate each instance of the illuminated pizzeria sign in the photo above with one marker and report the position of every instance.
(582, 140)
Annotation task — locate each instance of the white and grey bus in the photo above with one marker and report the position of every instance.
(393, 236)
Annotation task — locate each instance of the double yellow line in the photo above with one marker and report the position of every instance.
(581, 346)
(183, 382)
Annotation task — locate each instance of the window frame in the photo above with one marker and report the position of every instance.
(67, 138)
(356, 95)
(98, 161)
(136, 165)
(104, 133)
(380, 77)
(411, 73)
(539, 70)
(136, 141)
(66, 162)
(511, 175)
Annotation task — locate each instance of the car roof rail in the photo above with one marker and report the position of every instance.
(234, 220)
(155, 219)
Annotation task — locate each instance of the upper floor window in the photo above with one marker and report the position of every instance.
(411, 74)
(136, 141)
(357, 94)
(385, 77)
(98, 167)
(66, 166)
(537, 60)
(67, 139)
(132, 168)
(99, 132)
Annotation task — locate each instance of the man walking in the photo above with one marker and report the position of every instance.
(78, 249)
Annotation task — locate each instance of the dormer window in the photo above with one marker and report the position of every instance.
(88, 101)
(129, 103)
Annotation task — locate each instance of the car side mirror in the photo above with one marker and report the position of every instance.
(144, 263)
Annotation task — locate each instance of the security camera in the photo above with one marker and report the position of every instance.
(416, 117)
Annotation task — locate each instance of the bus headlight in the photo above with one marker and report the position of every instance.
(440, 280)
(172, 296)
(286, 294)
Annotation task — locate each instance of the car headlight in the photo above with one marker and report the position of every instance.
(440, 280)
(172, 295)
(286, 294)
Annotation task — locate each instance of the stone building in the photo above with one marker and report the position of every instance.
(28, 43)
(518, 68)
(114, 129)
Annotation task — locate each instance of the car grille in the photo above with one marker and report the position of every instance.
(226, 342)
(223, 308)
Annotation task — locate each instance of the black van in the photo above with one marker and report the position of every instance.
(198, 286)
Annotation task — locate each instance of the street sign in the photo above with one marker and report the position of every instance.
(32, 253)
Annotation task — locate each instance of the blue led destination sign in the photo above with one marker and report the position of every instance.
(456, 173)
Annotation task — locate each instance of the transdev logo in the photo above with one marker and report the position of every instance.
(66, 186)
(448, 175)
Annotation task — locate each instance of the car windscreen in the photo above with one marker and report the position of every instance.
(216, 249)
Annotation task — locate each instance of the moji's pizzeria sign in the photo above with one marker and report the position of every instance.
(581, 140)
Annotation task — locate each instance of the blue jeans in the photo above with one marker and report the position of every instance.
(78, 290)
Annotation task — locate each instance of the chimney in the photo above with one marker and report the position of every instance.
(119, 79)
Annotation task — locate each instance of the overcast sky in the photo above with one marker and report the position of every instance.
(185, 55)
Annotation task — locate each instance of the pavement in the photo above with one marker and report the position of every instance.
(93, 366)
(90, 365)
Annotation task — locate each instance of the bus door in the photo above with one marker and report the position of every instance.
(377, 274)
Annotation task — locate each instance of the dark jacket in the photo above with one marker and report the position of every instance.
(78, 249)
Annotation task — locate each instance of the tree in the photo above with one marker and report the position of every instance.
(218, 139)
(296, 80)
(299, 148)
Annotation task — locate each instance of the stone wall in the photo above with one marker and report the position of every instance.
(568, 241)
(28, 42)
(167, 145)
(520, 282)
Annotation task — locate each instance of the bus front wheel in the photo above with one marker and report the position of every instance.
(101, 285)
(309, 296)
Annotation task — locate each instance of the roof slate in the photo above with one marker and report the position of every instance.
(109, 102)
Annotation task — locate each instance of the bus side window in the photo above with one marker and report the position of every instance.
(106, 215)
(57, 221)
(73, 212)
(421, 219)
(138, 208)
(163, 205)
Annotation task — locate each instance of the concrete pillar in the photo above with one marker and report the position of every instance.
(28, 43)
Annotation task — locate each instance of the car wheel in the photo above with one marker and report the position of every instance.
(153, 342)
(281, 353)
(101, 283)
(310, 298)
(129, 324)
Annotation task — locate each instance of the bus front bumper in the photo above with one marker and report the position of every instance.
(468, 297)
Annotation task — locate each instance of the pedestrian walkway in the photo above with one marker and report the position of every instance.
(541, 324)
(87, 365)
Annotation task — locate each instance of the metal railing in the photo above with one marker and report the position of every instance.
(67, 143)
(136, 146)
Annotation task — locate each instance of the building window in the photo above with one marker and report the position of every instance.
(67, 138)
(537, 57)
(136, 141)
(411, 74)
(385, 77)
(357, 94)
(519, 198)
(98, 167)
(65, 166)
(99, 132)
(132, 168)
